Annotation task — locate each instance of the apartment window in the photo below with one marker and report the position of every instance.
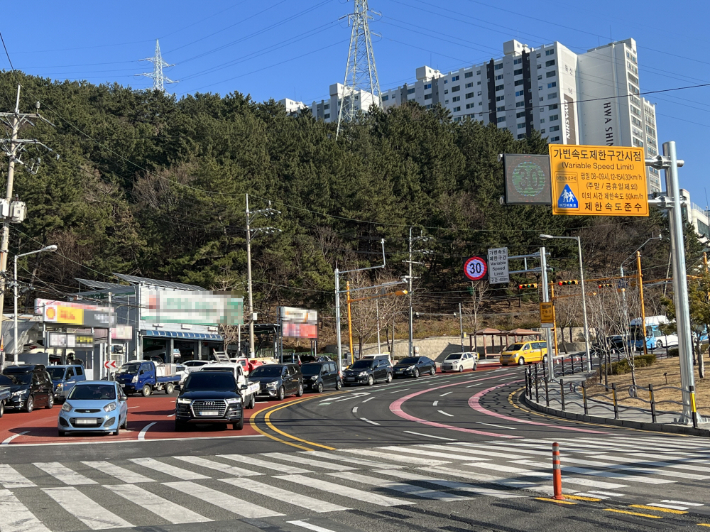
(521, 125)
(428, 106)
(519, 104)
(456, 99)
(552, 96)
(478, 83)
(635, 101)
(499, 87)
(554, 128)
(469, 95)
(634, 79)
(539, 77)
(327, 106)
(550, 74)
(500, 77)
(519, 82)
(470, 105)
(650, 131)
(446, 101)
(446, 81)
(638, 143)
(555, 139)
(542, 120)
(446, 91)
(504, 129)
(479, 93)
(411, 91)
(519, 93)
(480, 103)
(517, 61)
(427, 86)
(550, 63)
(552, 85)
(326, 116)
(456, 88)
(427, 96)
(468, 75)
(542, 131)
(636, 121)
(520, 115)
(521, 136)
(538, 56)
(554, 118)
(478, 72)
(552, 107)
(469, 85)
(454, 78)
(500, 98)
(633, 89)
(457, 109)
(500, 119)
(498, 66)
(517, 72)
(384, 99)
(550, 52)
(539, 87)
(502, 108)
(635, 111)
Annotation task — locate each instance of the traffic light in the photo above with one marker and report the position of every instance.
(566, 283)
(606, 285)
(470, 290)
(529, 286)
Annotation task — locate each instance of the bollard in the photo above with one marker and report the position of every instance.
(562, 393)
(547, 396)
(653, 403)
(544, 369)
(528, 393)
(556, 473)
(572, 362)
(563, 364)
(584, 397)
(692, 405)
(616, 408)
(537, 398)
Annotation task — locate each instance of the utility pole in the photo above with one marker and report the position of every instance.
(13, 147)
(412, 240)
(266, 230)
(461, 326)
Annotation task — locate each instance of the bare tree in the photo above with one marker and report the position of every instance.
(471, 308)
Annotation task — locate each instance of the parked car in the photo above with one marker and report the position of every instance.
(182, 372)
(30, 387)
(524, 353)
(64, 378)
(247, 389)
(459, 362)
(368, 372)
(192, 365)
(414, 367)
(5, 395)
(319, 375)
(209, 397)
(94, 406)
(378, 355)
(142, 376)
(291, 358)
(278, 380)
(314, 358)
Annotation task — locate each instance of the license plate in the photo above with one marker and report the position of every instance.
(123, 385)
(349, 378)
(209, 413)
(85, 421)
(400, 371)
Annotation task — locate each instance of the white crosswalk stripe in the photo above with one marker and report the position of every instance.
(168, 469)
(223, 500)
(459, 486)
(307, 461)
(302, 501)
(15, 517)
(218, 466)
(345, 491)
(281, 468)
(64, 474)
(86, 510)
(350, 460)
(402, 487)
(168, 510)
(11, 479)
(395, 456)
(121, 473)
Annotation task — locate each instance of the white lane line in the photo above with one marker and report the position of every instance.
(396, 456)
(219, 466)
(224, 501)
(15, 517)
(443, 394)
(141, 434)
(7, 441)
(608, 493)
(297, 499)
(310, 526)
(684, 502)
(121, 473)
(307, 461)
(348, 459)
(345, 491)
(368, 421)
(409, 489)
(168, 469)
(669, 506)
(265, 464)
(429, 435)
(63, 474)
(435, 403)
(592, 495)
(492, 425)
(442, 412)
(168, 510)
(323, 404)
(354, 410)
(368, 399)
(11, 479)
(472, 385)
(89, 512)
(422, 452)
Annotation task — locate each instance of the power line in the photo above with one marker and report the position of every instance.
(6, 52)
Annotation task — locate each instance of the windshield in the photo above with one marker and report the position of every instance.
(514, 347)
(310, 369)
(454, 357)
(408, 360)
(266, 371)
(17, 378)
(56, 374)
(230, 370)
(93, 392)
(130, 368)
(362, 364)
(212, 381)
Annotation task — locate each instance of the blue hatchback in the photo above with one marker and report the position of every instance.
(94, 406)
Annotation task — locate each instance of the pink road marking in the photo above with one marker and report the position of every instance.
(474, 402)
(396, 409)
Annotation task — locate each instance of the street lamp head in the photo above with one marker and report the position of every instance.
(53, 247)
(546, 237)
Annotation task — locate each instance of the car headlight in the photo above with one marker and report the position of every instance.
(273, 385)
(411, 368)
(363, 374)
(233, 400)
(60, 386)
(184, 401)
(110, 407)
(18, 393)
(66, 407)
(134, 379)
(314, 378)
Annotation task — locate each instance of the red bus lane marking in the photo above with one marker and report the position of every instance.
(396, 409)
(474, 402)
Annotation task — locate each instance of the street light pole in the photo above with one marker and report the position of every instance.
(251, 300)
(15, 351)
(411, 315)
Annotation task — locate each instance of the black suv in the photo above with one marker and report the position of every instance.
(209, 397)
(30, 386)
(414, 367)
(319, 375)
(278, 380)
(368, 372)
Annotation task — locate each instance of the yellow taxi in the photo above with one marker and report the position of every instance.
(523, 353)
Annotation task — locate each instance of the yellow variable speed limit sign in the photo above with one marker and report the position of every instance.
(547, 315)
(598, 181)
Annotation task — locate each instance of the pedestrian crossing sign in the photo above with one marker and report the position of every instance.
(567, 199)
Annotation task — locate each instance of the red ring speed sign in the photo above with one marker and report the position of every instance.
(475, 268)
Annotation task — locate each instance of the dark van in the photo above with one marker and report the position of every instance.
(30, 387)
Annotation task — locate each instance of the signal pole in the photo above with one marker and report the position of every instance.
(420, 238)
(13, 147)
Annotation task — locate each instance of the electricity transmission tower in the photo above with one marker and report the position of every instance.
(361, 71)
(159, 79)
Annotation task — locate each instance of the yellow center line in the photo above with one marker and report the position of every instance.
(704, 524)
(554, 500)
(580, 498)
(657, 509)
(267, 420)
(632, 513)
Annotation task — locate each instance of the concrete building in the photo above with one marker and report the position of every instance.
(698, 217)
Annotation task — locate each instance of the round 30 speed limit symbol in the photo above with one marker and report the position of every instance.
(475, 268)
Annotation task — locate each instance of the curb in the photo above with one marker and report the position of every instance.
(657, 427)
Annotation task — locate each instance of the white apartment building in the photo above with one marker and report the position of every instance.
(327, 110)
(698, 217)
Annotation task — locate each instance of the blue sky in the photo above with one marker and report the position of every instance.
(296, 49)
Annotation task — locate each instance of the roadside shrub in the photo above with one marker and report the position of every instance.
(623, 366)
(673, 352)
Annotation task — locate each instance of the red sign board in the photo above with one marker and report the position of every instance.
(110, 364)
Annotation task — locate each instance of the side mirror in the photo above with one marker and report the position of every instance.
(123, 398)
(244, 386)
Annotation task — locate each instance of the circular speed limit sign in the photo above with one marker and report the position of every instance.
(475, 268)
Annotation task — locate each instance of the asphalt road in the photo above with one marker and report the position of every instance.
(449, 452)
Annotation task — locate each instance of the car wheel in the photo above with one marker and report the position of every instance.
(180, 426)
(239, 425)
(659, 344)
(299, 393)
(125, 422)
(30, 404)
(281, 394)
(146, 391)
(2, 408)
(50, 402)
(338, 384)
(319, 388)
(118, 431)
(169, 388)
(521, 361)
(416, 373)
(251, 403)
(475, 367)
(370, 380)
(389, 378)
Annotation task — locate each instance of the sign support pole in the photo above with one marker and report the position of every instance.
(546, 299)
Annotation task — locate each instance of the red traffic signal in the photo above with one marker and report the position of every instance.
(566, 283)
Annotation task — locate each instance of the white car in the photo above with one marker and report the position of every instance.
(459, 362)
(194, 365)
(182, 372)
